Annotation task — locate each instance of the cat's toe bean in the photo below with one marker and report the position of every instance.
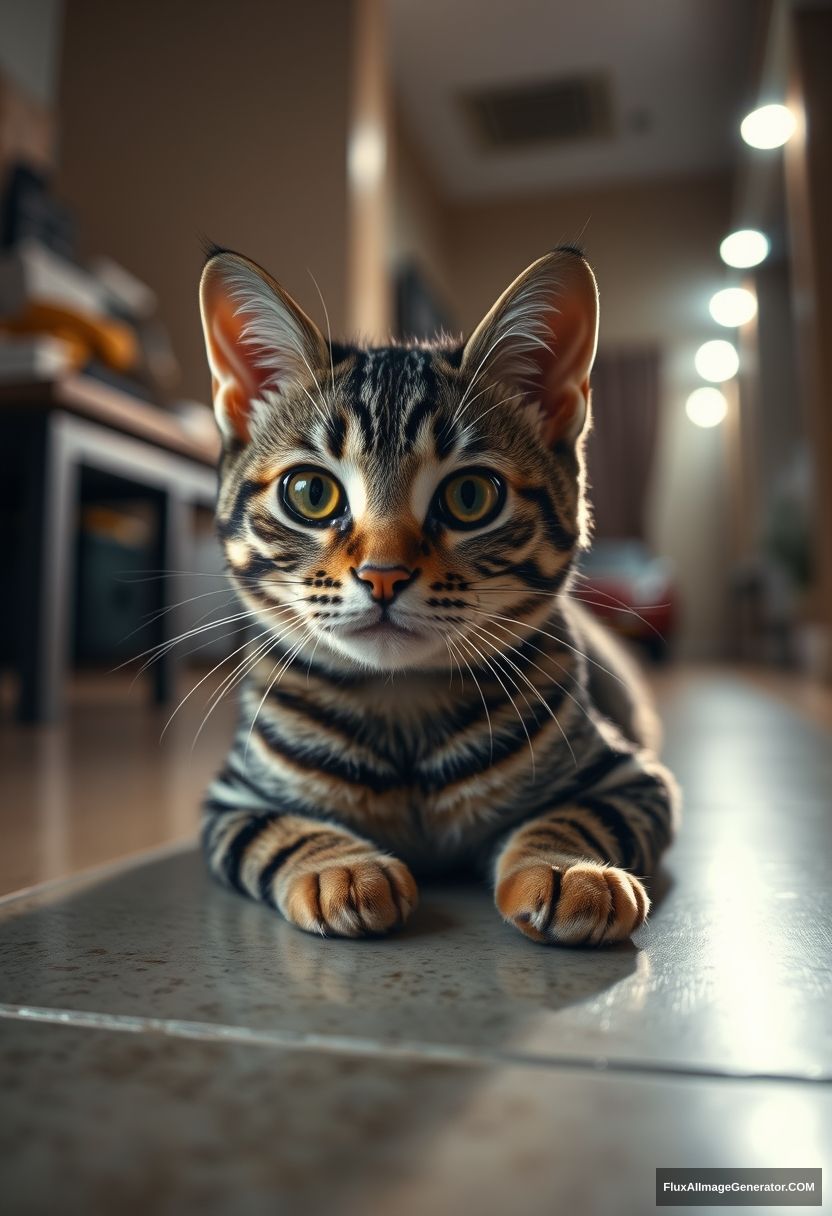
(598, 904)
(357, 899)
(582, 903)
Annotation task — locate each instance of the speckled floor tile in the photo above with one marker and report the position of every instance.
(100, 1122)
(731, 973)
(168, 1047)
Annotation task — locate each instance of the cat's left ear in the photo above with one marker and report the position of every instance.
(256, 337)
(542, 335)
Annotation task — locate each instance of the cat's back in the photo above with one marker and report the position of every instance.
(616, 683)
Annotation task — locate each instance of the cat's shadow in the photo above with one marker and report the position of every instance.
(455, 958)
(551, 977)
(659, 887)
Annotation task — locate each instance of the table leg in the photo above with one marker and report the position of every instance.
(48, 573)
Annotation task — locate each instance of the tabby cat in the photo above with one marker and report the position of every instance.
(424, 691)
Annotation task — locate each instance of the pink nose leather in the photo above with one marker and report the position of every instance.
(385, 582)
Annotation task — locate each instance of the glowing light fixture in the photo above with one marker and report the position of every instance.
(706, 407)
(366, 156)
(768, 127)
(717, 361)
(744, 248)
(733, 306)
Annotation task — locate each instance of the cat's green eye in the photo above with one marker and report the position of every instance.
(312, 495)
(471, 499)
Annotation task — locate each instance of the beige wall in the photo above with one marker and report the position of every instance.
(30, 35)
(369, 175)
(654, 248)
(154, 154)
(227, 120)
(420, 218)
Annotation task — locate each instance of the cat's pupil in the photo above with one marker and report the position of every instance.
(316, 491)
(468, 494)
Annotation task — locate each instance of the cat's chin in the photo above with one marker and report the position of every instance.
(385, 648)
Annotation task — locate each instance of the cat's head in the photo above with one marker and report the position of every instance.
(403, 506)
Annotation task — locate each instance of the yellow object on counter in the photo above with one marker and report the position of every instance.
(111, 341)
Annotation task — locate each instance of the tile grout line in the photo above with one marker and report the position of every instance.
(413, 1051)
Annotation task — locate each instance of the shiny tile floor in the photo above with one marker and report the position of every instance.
(116, 777)
(167, 1047)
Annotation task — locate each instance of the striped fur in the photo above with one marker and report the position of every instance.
(460, 731)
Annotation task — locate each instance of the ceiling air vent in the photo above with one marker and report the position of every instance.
(543, 112)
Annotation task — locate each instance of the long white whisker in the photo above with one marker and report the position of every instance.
(154, 576)
(578, 594)
(458, 668)
(269, 631)
(467, 642)
(562, 642)
(322, 410)
(481, 631)
(184, 654)
(312, 656)
(485, 413)
(154, 615)
(200, 682)
(162, 647)
(512, 331)
(480, 691)
(282, 669)
(315, 406)
(476, 396)
(240, 672)
(156, 652)
(617, 606)
(249, 662)
(540, 650)
(328, 328)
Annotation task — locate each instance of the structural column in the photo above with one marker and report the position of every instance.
(369, 176)
(809, 193)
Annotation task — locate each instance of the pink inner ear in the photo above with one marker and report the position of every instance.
(562, 408)
(564, 373)
(237, 378)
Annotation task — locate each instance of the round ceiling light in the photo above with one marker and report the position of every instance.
(733, 306)
(768, 127)
(717, 361)
(706, 407)
(743, 248)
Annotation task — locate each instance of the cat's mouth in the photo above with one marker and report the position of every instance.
(382, 641)
(382, 627)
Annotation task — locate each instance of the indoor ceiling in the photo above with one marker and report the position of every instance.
(676, 73)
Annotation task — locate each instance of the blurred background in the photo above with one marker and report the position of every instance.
(410, 159)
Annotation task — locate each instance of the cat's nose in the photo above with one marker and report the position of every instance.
(385, 582)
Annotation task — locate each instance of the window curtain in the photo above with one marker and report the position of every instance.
(621, 446)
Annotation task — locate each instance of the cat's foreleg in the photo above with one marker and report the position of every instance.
(572, 876)
(320, 876)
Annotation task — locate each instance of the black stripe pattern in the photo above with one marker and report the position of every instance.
(500, 736)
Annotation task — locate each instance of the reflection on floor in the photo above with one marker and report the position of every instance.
(115, 778)
(169, 1047)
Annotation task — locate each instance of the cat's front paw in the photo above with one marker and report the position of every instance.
(360, 898)
(579, 903)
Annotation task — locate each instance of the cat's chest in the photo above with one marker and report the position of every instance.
(423, 771)
(453, 785)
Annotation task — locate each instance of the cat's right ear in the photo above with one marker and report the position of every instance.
(258, 340)
(542, 335)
